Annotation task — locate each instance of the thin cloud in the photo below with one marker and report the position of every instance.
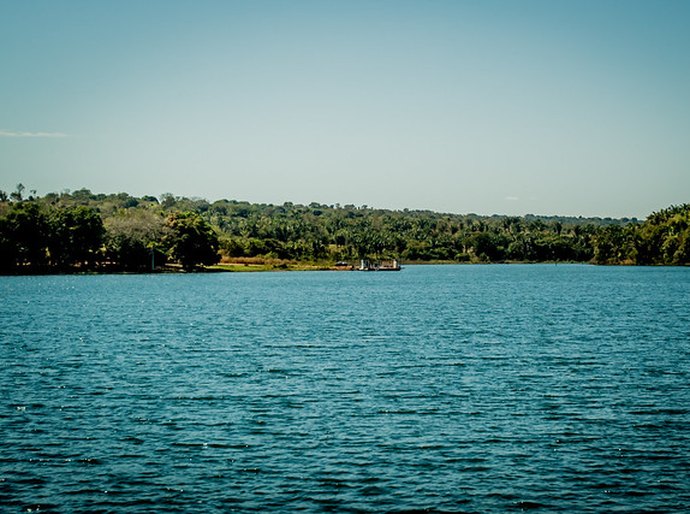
(512, 198)
(14, 133)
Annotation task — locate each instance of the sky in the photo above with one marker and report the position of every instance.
(554, 107)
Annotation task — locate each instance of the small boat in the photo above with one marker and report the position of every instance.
(366, 265)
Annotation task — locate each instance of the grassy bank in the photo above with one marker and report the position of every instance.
(249, 264)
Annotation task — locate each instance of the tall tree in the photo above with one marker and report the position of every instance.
(134, 239)
(26, 230)
(192, 240)
(76, 238)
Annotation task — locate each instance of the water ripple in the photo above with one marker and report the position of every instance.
(438, 389)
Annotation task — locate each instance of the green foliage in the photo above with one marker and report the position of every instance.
(24, 233)
(36, 237)
(664, 238)
(134, 239)
(76, 237)
(81, 230)
(191, 240)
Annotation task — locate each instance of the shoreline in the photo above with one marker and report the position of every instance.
(277, 266)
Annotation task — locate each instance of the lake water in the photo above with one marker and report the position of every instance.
(453, 388)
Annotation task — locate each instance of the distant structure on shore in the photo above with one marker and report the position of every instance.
(366, 265)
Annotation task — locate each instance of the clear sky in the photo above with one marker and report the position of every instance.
(507, 107)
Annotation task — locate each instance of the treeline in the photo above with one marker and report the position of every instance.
(81, 230)
(86, 232)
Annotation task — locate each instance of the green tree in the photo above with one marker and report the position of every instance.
(25, 234)
(489, 246)
(134, 239)
(8, 246)
(682, 255)
(76, 237)
(192, 240)
(662, 238)
(17, 194)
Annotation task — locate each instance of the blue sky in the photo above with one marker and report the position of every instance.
(507, 107)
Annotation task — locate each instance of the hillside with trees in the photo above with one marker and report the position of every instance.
(84, 231)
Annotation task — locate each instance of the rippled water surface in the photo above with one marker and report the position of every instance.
(454, 388)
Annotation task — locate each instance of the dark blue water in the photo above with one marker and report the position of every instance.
(457, 388)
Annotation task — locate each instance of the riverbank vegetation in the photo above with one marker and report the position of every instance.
(85, 231)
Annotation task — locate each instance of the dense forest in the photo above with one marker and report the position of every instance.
(84, 231)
